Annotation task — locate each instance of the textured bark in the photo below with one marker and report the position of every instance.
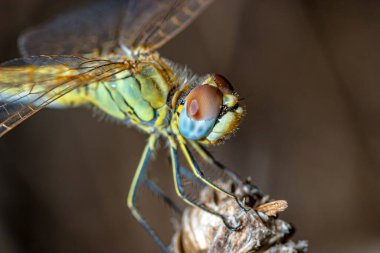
(260, 230)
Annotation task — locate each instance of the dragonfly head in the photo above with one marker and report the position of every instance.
(210, 112)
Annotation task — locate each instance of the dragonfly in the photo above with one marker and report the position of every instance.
(105, 56)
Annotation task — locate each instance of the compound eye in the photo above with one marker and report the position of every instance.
(201, 109)
(204, 102)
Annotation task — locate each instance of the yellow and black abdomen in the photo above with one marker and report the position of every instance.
(139, 98)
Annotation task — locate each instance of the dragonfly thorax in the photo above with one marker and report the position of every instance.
(136, 95)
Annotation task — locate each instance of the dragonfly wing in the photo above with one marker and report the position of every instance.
(94, 28)
(27, 85)
(149, 24)
(100, 28)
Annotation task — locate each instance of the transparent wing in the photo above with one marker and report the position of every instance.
(93, 28)
(134, 24)
(28, 85)
(153, 23)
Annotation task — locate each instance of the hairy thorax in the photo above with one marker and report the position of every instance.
(139, 95)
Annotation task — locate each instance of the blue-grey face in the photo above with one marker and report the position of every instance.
(210, 112)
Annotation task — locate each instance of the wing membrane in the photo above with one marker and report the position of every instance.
(87, 30)
(163, 21)
(30, 84)
(156, 22)
(100, 28)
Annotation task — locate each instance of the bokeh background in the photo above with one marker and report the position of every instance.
(309, 75)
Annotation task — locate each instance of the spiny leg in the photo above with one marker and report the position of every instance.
(190, 176)
(210, 159)
(136, 182)
(181, 192)
(153, 187)
(199, 173)
(207, 156)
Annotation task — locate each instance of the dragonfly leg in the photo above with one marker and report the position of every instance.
(153, 187)
(136, 182)
(182, 194)
(208, 157)
(198, 172)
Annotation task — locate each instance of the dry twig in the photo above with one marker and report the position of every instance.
(260, 230)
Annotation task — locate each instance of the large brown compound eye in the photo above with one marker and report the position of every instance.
(223, 84)
(204, 102)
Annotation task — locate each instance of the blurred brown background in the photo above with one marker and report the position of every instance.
(309, 74)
